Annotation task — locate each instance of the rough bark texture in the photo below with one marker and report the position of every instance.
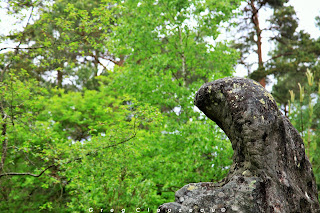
(270, 170)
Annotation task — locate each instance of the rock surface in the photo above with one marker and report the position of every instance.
(270, 170)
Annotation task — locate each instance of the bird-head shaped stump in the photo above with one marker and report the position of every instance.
(270, 170)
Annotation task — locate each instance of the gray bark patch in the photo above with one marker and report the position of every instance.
(270, 170)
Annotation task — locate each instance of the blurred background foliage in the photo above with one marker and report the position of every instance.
(97, 97)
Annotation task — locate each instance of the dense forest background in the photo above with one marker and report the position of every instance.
(97, 97)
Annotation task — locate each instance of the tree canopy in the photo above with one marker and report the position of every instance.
(97, 103)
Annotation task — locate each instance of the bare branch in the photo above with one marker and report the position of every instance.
(28, 174)
(53, 165)
(17, 48)
(72, 160)
(20, 48)
(119, 63)
(97, 60)
(122, 142)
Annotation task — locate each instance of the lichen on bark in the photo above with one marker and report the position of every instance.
(270, 170)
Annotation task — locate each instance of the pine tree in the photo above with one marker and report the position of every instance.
(250, 40)
(295, 52)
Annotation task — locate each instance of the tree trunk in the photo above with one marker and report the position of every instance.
(255, 21)
(59, 79)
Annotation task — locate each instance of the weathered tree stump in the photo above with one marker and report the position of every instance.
(270, 170)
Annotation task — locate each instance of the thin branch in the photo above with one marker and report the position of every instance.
(119, 63)
(20, 48)
(76, 159)
(28, 174)
(262, 4)
(105, 147)
(20, 42)
(53, 165)
(17, 48)
(183, 65)
(113, 145)
(99, 62)
(122, 142)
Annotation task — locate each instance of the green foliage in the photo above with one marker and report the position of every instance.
(108, 151)
(295, 52)
(164, 68)
(303, 113)
(23, 141)
(103, 170)
(77, 134)
(80, 134)
(67, 42)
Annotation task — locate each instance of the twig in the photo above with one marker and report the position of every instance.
(76, 159)
(97, 60)
(20, 48)
(29, 174)
(113, 145)
(16, 48)
(122, 142)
